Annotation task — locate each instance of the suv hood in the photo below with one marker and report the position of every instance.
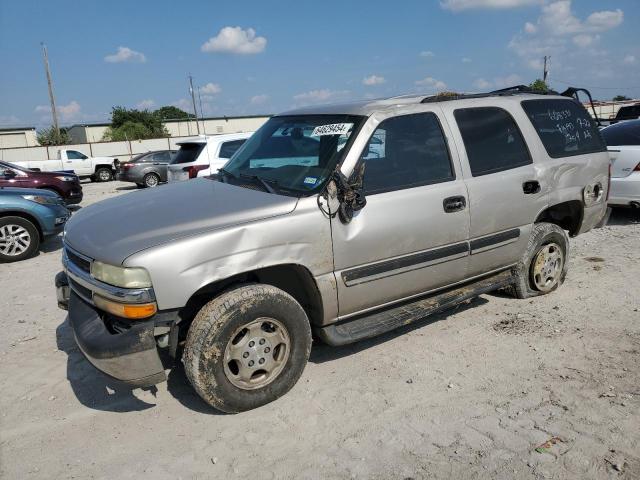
(114, 229)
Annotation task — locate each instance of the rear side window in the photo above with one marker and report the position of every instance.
(161, 157)
(229, 148)
(627, 133)
(404, 152)
(188, 152)
(492, 139)
(564, 126)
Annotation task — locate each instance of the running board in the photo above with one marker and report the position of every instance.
(383, 321)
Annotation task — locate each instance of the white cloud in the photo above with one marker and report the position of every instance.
(373, 80)
(210, 89)
(235, 40)
(458, 5)
(466, 60)
(125, 54)
(259, 99)
(68, 113)
(427, 54)
(481, 84)
(145, 104)
(557, 32)
(319, 96)
(431, 83)
(508, 81)
(629, 60)
(584, 40)
(183, 104)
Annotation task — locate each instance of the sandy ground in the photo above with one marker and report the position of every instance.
(468, 394)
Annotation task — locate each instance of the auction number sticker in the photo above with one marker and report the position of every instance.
(332, 129)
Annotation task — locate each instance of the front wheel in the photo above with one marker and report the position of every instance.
(247, 347)
(543, 267)
(19, 239)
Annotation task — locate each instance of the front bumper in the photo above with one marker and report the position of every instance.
(74, 196)
(130, 355)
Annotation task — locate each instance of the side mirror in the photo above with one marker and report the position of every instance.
(8, 173)
(349, 193)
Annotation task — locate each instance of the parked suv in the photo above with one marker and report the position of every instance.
(147, 169)
(27, 218)
(345, 220)
(67, 185)
(204, 155)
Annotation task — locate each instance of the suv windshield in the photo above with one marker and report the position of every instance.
(188, 152)
(295, 153)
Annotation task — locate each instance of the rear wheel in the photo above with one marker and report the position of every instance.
(543, 267)
(151, 180)
(247, 347)
(104, 174)
(19, 239)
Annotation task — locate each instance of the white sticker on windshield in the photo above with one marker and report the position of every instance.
(310, 180)
(332, 129)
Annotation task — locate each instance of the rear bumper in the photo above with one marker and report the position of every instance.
(625, 190)
(130, 356)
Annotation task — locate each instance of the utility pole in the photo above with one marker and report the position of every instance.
(547, 61)
(193, 99)
(51, 97)
(204, 128)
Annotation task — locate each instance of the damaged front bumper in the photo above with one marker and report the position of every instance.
(128, 355)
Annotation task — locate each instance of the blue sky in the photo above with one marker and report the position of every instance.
(263, 57)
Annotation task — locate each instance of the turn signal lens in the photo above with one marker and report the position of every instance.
(131, 311)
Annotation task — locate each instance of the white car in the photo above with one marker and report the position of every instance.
(204, 155)
(623, 142)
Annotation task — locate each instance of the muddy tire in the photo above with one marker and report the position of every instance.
(543, 267)
(247, 347)
(19, 239)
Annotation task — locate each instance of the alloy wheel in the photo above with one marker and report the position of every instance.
(547, 267)
(14, 240)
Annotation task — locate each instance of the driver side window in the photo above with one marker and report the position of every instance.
(73, 155)
(405, 152)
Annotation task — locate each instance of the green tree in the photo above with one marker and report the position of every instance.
(539, 85)
(620, 98)
(170, 112)
(49, 137)
(133, 124)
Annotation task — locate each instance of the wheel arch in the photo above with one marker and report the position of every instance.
(294, 279)
(26, 216)
(567, 215)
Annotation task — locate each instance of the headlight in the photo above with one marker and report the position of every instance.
(66, 179)
(125, 277)
(41, 199)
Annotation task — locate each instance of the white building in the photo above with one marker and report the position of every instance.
(94, 132)
(18, 137)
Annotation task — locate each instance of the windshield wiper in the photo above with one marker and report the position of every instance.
(262, 181)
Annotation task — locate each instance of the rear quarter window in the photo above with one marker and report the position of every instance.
(564, 127)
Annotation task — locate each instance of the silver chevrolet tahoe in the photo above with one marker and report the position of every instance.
(342, 222)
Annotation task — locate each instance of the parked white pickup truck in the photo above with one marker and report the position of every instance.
(101, 169)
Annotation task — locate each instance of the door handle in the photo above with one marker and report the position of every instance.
(454, 204)
(531, 187)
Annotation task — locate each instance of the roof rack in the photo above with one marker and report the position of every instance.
(515, 90)
(573, 92)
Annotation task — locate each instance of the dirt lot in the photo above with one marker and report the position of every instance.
(469, 394)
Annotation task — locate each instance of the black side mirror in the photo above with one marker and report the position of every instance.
(8, 173)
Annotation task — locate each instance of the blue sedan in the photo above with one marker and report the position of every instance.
(27, 217)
